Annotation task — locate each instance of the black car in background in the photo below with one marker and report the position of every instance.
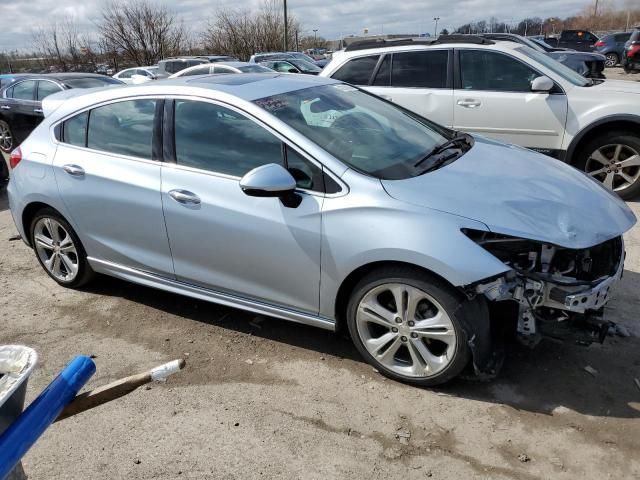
(21, 101)
(587, 64)
(581, 40)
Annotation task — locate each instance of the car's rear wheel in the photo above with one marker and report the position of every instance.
(611, 60)
(6, 137)
(59, 249)
(614, 159)
(407, 324)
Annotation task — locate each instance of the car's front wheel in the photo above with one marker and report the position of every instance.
(59, 250)
(6, 137)
(614, 159)
(407, 324)
(611, 60)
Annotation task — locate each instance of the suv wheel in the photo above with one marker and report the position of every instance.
(407, 324)
(6, 137)
(59, 250)
(614, 159)
(611, 59)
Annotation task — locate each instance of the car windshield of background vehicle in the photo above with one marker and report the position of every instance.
(372, 136)
(305, 66)
(254, 69)
(565, 72)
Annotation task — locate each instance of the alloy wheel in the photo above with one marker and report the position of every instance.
(56, 249)
(406, 330)
(617, 166)
(6, 139)
(611, 60)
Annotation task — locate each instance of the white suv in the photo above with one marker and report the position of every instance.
(508, 92)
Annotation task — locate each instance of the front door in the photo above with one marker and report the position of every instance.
(222, 239)
(17, 109)
(110, 185)
(493, 97)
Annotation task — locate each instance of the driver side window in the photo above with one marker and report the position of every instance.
(485, 70)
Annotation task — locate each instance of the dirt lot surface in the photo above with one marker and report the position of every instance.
(263, 398)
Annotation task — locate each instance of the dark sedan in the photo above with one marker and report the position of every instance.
(587, 64)
(292, 65)
(21, 101)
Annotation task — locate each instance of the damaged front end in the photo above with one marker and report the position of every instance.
(559, 292)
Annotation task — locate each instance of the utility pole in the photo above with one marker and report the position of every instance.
(286, 28)
(297, 47)
(595, 9)
(315, 38)
(435, 30)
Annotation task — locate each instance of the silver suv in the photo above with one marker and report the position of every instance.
(310, 200)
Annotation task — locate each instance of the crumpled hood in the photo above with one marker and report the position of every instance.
(518, 192)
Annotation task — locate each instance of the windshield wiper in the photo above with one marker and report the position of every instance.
(441, 148)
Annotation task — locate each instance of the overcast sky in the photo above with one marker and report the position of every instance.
(332, 18)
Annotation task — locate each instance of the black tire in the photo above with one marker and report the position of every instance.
(9, 148)
(612, 59)
(85, 273)
(627, 138)
(455, 305)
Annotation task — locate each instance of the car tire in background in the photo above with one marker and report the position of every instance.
(421, 342)
(614, 159)
(6, 137)
(611, 59)
(59, 250)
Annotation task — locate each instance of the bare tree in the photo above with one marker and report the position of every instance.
(243, 32)
(142, 32)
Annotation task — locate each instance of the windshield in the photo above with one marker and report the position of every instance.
(254, 69)
(542, 44)
(304, 66)
(556, 67)
(372, 136)
(302, 56)
(91, 82)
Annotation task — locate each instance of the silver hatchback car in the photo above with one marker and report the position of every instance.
(311, 200)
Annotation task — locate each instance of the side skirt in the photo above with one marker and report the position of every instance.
(181, 288)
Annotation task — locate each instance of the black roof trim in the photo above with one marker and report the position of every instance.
(442, 39)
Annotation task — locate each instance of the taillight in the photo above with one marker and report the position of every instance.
(633, 49)
(15, 157)
(599, 43)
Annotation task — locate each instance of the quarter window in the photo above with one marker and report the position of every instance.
(420, 69)
(307, 175)
(124, 128)
(24, 90)
(357, 71)
(485, 70)
(74, 130)
(214, 138)
(47, 88)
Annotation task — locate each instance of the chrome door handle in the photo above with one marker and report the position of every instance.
(74, 170)
(185, 197)
(469, 103)
(5, 107)
(37, 110)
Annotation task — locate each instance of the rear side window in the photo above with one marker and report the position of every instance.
(47, 88)
(622, 37)
(420, 69)
(214, 138)
(74, 130)
(23, 90)
(124, 128)
(357, 71)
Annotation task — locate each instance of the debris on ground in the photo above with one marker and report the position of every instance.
(14, 238)
(403, 436)
(524, 458)
(591, 371)
(615, 329)
(248, 361)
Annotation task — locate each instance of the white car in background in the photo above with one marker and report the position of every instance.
(222, 67)
(508, 92)
(137, 75)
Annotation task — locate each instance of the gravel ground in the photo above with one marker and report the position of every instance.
(263, 398)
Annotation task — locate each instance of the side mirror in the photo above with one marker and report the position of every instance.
(542, 84)
(271, 180)
(293, 70)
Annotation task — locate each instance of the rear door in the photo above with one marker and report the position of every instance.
(17, 109)
(44, 89)
(108, 173)
(493, 97)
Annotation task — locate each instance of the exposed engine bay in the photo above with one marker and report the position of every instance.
(560, 292)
